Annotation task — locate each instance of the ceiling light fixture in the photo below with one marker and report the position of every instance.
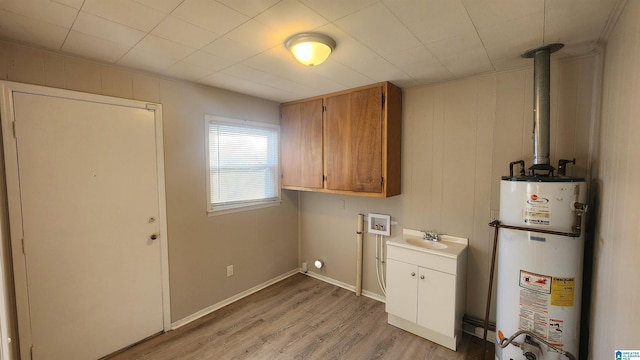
(310, 48)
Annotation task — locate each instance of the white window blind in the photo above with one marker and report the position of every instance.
(243, 163)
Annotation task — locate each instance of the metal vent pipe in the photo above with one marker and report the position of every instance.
(541, 101)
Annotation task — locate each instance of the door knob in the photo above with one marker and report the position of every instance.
(153, 236)
(421, 276)
(413, 274)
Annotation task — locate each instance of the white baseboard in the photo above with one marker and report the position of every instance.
(475, 331)
(343, 285)
(232, 299)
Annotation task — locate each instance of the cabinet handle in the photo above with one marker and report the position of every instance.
(413, 274)
(421, 276)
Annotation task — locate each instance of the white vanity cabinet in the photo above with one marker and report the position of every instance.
(426, 289)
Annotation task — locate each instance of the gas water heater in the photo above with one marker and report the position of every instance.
(540, 245)
(540, 266)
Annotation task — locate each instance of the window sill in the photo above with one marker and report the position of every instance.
(243, 208)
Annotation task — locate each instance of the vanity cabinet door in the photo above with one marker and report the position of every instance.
(436, 301)
(402, 289)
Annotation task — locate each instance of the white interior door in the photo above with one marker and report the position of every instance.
(88, 183)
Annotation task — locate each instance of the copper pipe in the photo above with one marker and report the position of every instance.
(576, 228)
(488, 308)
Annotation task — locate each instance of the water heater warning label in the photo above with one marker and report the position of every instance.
(535, 290)
(537, 210)
(537, 293)
(536, 282)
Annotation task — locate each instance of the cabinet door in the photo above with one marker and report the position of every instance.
(436, 301)
(402, 289)
(301, 144)
(353, 147)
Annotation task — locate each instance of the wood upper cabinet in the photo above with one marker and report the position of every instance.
(357, 149)
(353, 141)
(301, 144)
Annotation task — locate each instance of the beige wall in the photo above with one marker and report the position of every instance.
(458, 140)
(261, 244)
(615, 322)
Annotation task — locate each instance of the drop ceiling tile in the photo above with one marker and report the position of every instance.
(343, 75)
(510, 63)
(93, 47)
(419, 54)
(298, 90)
(76, 4)
(166, 6)
(210, 15)
(430, 74)
(248, 73)
(380, 69)
(30, 31)
(255, 36)
(180, 31)
(574, 22)
(240, 85)
(349, 51)
(251, 8)
(378, 29)
(335, 9)
(140, 59)
(126, 12)
(420, 64)
(279, 62)
(229, 49)
(462, 56)
(164, 48)
(207, 61)
(184, 70)
(48, 11)
(511, 39)
(406, 83)
(507, 29)
(432, 20)
(492, 13)
(289, 17)
(275, 61)
(377, 39)
(107, 30)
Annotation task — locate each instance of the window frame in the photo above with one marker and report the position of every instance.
(244, 205)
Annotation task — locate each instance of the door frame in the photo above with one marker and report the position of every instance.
(13, 209)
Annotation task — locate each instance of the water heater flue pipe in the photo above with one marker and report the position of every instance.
(359, 235)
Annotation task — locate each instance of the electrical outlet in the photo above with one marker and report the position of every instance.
(229, 270)
(495, 215)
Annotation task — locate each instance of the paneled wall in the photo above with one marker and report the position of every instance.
(261, 244)
(458, 140)
(615, 311)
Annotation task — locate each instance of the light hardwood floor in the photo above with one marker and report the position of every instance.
(299, 318)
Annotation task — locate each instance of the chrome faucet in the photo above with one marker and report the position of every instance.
(431, 235)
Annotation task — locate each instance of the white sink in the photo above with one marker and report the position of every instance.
(428, 244)
(448, 246)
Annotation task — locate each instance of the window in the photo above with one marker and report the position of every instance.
(243, 163)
